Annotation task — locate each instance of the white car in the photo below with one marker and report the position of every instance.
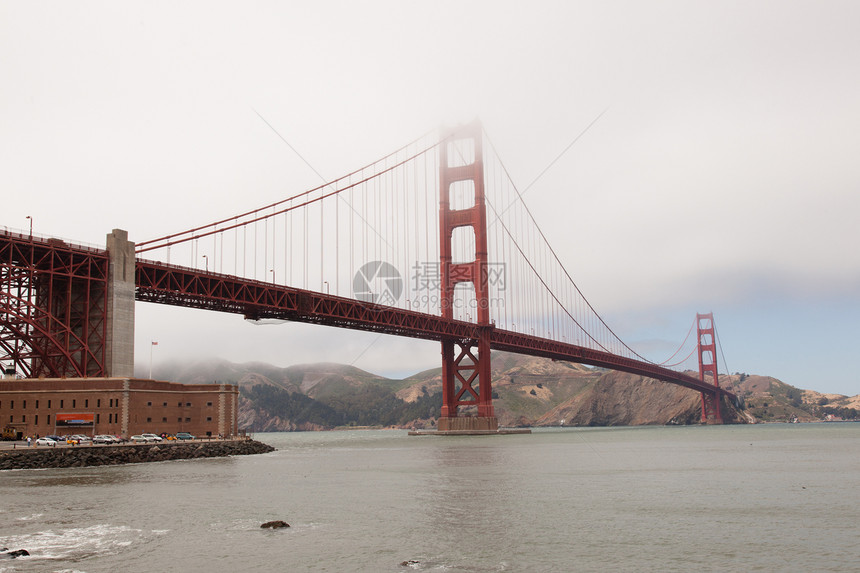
(151, 437)
(104, 440)
(45, 442)
(137, 439)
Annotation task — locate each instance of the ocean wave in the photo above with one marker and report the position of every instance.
(74, 543)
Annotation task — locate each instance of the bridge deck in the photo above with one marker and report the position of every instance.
(169, 284)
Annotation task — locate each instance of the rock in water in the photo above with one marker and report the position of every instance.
(277, 524)
(14, 554)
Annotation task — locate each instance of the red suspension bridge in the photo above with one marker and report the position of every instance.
(432, 241)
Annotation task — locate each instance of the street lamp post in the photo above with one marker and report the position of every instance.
(31, 225)
(273, 275)
(206, 260)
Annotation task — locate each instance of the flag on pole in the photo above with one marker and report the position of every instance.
(154, 343)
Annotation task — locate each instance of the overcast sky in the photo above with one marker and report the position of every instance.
(723, 174)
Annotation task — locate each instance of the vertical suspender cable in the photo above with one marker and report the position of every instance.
(322, 238)
(265, 249)
(337, 245)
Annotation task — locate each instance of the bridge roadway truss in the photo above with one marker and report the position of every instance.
(179, 286)
(53, 307)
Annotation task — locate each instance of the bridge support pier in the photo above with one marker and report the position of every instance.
(466, 385)
(119, 359)
(711, 409)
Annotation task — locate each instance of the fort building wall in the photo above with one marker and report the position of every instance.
(117, 406)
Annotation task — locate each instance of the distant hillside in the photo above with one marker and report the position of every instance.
(527, 391)
(769, 400)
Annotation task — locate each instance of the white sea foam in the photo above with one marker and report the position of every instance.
(77, 542)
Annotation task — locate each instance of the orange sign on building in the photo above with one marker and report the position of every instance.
(76, 420)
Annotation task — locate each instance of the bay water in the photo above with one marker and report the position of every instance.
(775, 497)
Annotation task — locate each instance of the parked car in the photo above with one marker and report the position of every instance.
(104, 439)
(184, 436)
(151, 437)
(56, 438)
(82, 439)
(46, 442)
(137, 439)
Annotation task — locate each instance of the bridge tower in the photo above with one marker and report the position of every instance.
(708, 368)
(467, 402)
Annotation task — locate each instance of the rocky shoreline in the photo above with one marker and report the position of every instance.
(85, 456)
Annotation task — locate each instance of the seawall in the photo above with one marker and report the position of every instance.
(83, 456)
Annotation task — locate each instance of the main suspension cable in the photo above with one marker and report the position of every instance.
(558, 260)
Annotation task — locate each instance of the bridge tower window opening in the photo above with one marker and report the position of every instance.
(462, 195)
(463, 302)
(462, 245)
